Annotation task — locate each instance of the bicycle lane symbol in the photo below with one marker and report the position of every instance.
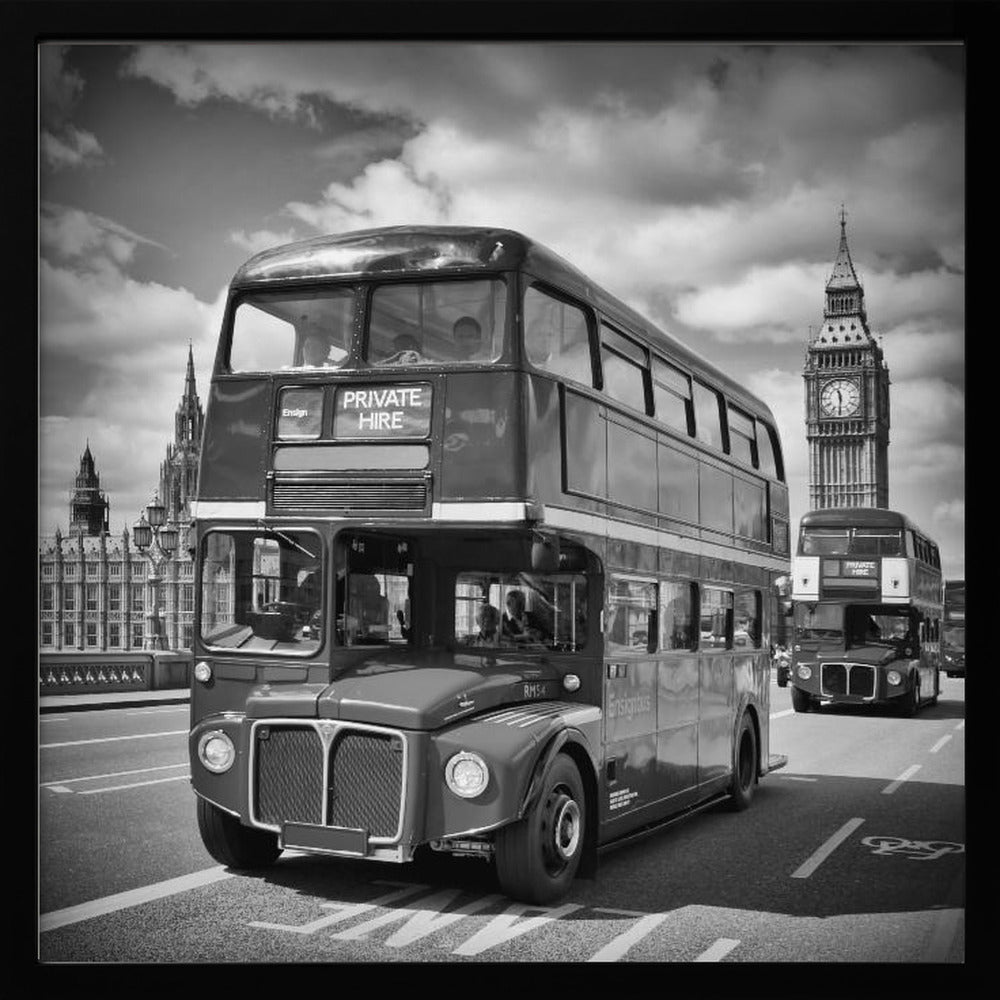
(912, 850)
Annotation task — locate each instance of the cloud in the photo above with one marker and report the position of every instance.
(75, 148)
(90, 241)
(261, 239)
(950, 511)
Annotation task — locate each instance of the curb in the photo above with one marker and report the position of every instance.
(92, 702)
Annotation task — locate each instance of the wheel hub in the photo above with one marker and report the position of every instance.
(565, 828)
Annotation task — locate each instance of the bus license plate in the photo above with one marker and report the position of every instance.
(336, 839)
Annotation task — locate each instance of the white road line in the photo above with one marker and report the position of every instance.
(153, 711)
(718, 951)
(134, 897)
(134, 784)
(905, 776)
(112, 774)
(961, 725)
(617, 947)
(112, 739)
(796, 777)
(55, 718)
(815, 860)
(59, 788)
(940, 743)
(778, 715)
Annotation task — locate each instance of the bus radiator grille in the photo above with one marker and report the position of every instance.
(857, 679)
(366, 782)
(366, 495)
(289, 776)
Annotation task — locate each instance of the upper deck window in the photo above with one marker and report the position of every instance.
(276, 330)
(742, 437)
(437, 322)
(708, 420)
(672, 396)
(557, 336)
(768, 451)
(850, 542)
(624, 365)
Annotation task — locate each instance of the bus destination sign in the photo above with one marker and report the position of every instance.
(858, 567)
(387, 411)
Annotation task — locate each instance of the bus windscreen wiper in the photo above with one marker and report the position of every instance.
(288, 541)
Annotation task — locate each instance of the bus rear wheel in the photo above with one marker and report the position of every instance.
(801, 700)
(233, 844)
(538, 856)
(744, 766)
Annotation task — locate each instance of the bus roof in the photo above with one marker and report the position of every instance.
(858, 517)
(465, 249)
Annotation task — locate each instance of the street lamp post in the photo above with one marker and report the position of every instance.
(157, 541)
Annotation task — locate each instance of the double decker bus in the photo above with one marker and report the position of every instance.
(488, 571)
(953, 635)
(867, 611)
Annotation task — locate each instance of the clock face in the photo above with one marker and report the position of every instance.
(840, 397)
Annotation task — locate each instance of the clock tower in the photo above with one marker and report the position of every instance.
(847, 398)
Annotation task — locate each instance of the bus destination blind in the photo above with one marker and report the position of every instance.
(388, 411)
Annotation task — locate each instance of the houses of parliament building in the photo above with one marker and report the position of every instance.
(94, 586)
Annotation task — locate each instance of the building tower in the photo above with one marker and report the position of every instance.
(179, 470)
(89, 509)
(847, 398)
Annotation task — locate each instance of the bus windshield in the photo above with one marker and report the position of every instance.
(300, 329)
(262, 591)
(851, 542)
(819, 621)
(451, 322)
(521, 610)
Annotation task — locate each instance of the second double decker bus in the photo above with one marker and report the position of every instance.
(953, 636)
(867, 611)
(485, 563)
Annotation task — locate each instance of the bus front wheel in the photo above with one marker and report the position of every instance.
(538, 856)
(233, 844)
(911, 700)
(801, 700)
(744, 766)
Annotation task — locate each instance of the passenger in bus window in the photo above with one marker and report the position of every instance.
(315, 352)
(488, 620)
(519, 623)
(468, 337)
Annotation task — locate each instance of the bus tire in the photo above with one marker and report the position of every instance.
(801, 701)
(233, 844)
(538, 856)
(744, 778)
(911, 700)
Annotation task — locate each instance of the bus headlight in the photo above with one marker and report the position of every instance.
(466, 774)
(203, 672)
(804, 671)
(894, 677)
(216, 751)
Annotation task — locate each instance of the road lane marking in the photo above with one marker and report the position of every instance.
(815, 860)
(796, 777)
(504, 927)
(112, 739)
(618, 946)
(961, 725)
(134, 784)
(57, 718)
(718, 951)
(153, 711)
(940, 743)
(778, 715)
(345, 911)
(905, 776)
(133, 897)
(112, 774)
(59, 788)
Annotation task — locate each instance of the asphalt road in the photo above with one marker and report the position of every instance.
(853, 853)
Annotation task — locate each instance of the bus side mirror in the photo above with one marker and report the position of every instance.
(545, 554)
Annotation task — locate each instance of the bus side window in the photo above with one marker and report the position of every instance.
(557, 336)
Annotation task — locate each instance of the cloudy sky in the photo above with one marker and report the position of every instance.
(702, 184)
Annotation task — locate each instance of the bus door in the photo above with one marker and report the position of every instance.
(630, 696)
(930, 655)
(716, 685)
